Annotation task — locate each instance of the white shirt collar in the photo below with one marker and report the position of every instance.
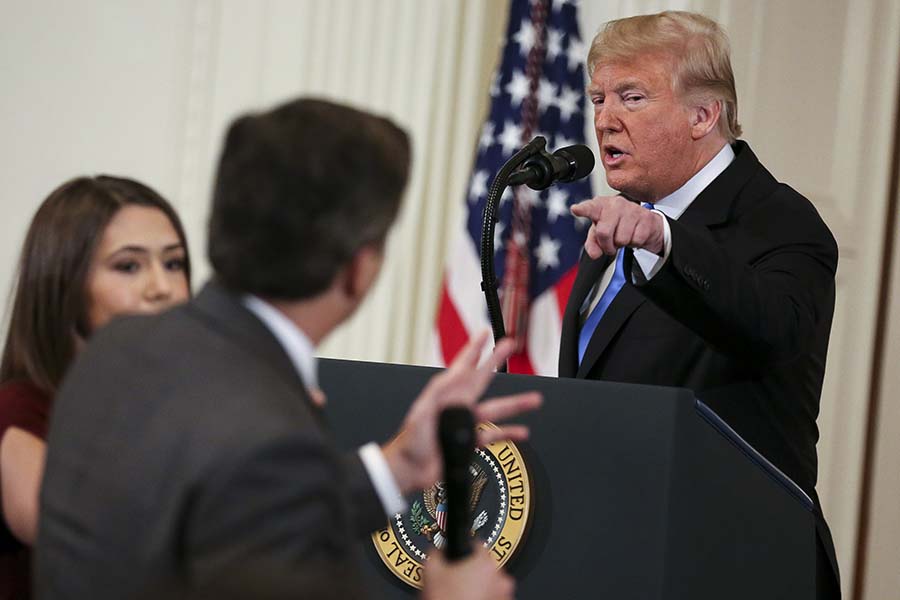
(677, 202)
(296, 344)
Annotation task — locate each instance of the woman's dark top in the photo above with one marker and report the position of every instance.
(24, 406)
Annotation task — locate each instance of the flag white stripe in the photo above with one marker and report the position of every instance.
(463, 278)
(544, 330)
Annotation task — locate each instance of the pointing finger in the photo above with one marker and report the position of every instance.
(590, 209)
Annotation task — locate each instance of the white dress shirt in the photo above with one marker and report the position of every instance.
(671, 206)
(299, 349)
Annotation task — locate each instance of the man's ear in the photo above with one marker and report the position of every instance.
(362, 271)
(705, 116)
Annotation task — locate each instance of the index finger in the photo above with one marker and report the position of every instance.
(590, 209)
(467, 358)
(485, 373)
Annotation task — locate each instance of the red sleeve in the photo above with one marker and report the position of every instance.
(24, 406)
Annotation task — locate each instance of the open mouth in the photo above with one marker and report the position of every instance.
(612, 154)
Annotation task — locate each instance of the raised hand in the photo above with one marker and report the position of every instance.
(414, 454)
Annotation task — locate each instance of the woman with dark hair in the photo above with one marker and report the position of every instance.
(96, 248)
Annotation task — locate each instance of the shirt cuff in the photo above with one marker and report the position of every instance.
(648, 262)
(382, 479)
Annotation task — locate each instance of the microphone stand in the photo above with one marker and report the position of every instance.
(488, 224)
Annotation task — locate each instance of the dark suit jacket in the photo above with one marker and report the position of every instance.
(186, 460)
(740, 313)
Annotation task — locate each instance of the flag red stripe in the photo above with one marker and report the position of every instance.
(452, 332)
(563, 288)
(521, 363)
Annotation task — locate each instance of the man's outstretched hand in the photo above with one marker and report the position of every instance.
(414, 454)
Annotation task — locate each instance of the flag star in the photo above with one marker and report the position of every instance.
(511, 138)
(554, 43)
(478, 187)
(498, 235)
(517, 88)
(567, 103)
(556, 205)
(547, 253)
(504, 198)
(525, 37)
(546, 94)
(575, 52)
(486, 139)
(561, 141)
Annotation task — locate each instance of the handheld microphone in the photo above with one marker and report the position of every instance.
(456, 433)
(566, 164)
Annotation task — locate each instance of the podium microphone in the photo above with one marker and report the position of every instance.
(456, 434)
(566, 164)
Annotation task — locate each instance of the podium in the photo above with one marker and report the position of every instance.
(639, 491)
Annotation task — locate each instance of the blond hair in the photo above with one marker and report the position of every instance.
(698, 45)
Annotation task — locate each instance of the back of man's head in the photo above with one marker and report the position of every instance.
(299, 190)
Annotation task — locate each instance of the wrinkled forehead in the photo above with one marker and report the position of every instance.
(647, 69)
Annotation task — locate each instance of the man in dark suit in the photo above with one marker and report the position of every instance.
(705, 272)
(187, 453)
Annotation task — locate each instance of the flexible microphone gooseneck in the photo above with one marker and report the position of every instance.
(456, 433)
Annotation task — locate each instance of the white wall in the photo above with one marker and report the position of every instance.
(882, 565)
(145, 89)
(86, 88)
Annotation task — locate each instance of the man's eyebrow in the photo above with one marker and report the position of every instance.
(630, 84)
(620, 87)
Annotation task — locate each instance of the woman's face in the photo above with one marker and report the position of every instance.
(138, 267)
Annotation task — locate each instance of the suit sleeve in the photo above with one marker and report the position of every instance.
(366, 512)
(280, 509)
(757, 292)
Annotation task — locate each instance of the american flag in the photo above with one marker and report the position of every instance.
(538, 90)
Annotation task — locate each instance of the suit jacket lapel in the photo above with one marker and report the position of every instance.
(228, 315)
(713, 205)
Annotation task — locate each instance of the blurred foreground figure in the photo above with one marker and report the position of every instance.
(726, 284)
(96, 248)
(187, 454)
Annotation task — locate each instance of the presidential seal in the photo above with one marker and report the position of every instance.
(500, 505)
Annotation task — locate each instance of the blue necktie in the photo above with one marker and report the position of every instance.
(609, 294)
